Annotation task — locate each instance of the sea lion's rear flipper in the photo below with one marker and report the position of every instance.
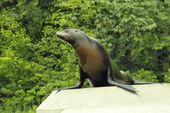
(113, 83)
(136, 82)
(126, 87)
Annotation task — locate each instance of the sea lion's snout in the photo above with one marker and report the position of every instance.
(63, 35)
(60, 34)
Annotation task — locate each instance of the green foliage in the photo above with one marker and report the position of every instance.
(167, 76)
(33, 62)
(144, 75)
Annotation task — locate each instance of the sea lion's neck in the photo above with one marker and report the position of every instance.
(82, 50)
(88, 50)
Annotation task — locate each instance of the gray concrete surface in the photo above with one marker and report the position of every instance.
(152, 98)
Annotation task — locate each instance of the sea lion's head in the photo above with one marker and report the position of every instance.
(72, 36)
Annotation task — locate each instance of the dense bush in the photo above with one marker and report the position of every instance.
(33, 62)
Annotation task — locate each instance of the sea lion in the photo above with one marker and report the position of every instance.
(95, 63)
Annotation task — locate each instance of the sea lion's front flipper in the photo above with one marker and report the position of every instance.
(83, 77)
(79, 85)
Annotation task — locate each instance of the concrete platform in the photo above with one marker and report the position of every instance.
(152, 98)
